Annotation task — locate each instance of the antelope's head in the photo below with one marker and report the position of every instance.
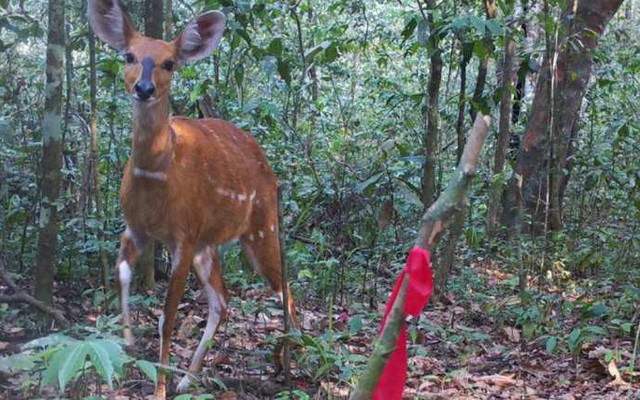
(150, 63)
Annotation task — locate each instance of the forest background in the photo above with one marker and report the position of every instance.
(362, 108)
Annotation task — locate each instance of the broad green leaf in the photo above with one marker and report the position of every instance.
(50, 340)
(115, 352)
(148, 368)
(17, 362)
(355, 324)
(73, 362)
(101, 361)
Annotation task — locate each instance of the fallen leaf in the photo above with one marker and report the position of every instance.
(513, 334)
(498, 380)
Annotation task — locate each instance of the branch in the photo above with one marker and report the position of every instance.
(436, 219)
(21, 296)
(434, 222)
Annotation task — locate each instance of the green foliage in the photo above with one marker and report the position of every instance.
(59, 359)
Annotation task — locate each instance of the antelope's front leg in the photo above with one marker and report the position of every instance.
(182, 259)
(131, 246)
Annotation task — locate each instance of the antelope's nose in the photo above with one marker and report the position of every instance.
(144, 89)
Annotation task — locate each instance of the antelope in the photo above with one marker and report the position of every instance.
(192, 184)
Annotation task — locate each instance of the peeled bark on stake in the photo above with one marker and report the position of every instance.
(434, 222)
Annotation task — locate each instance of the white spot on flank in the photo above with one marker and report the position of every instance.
(261, 234)
(272, 228)
(242, 197)
(221, 191)
(251, 237)
(253, 195)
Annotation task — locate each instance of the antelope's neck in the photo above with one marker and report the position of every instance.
(152, 143)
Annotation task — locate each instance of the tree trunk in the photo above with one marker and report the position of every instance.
(168, 23)
(432, 133)
(153, 18)
(490, 10)
(560, 89)
(444, 268)
(51, 156)
(494, 205)
(95, 160)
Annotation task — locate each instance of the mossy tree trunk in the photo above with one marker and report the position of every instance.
(46, 260)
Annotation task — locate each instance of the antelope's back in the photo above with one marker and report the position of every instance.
(219, 168)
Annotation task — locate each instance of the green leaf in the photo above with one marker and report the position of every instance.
(74, 361)
(115, 352)
(50, 340)
(355, 324)
(101, 361)
(596, 311)
(314, 51)
(330, 54)
(574, 340)
(64, 365)
(148, 368)
(362, 186)
(275, 47)
(284, 69)
(409, 28)
(17, 362)
(552, 344)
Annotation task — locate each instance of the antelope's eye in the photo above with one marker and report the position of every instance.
(129, 58)
(168, 65)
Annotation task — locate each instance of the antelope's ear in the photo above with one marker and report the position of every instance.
(111, 23)
(200, 37)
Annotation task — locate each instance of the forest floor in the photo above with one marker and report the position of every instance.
(456, 352)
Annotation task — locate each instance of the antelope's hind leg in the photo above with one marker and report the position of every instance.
(262, 249)
(207, 266)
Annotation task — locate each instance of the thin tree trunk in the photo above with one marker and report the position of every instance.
(494, 205)
(444, 267)
(95, 160)
(432, 118)
(46, 260)
(168, 23)
(481, 80)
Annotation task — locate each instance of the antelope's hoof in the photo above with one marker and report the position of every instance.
(128, 337)
(185, 384)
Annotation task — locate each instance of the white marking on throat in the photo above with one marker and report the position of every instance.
(142, 173)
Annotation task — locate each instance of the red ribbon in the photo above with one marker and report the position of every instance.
(392, 380)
